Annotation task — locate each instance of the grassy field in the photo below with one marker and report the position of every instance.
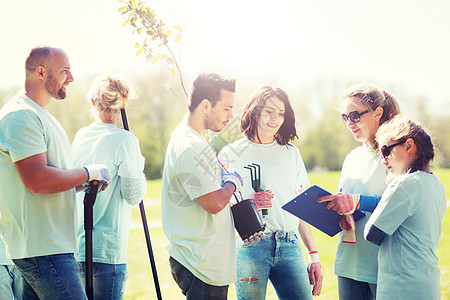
(140, 283)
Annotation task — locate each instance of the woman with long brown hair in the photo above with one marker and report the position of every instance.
(268, 124)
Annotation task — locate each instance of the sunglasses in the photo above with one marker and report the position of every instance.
(353, 116)
(386, 150)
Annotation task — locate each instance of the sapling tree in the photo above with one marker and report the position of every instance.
(156, 37)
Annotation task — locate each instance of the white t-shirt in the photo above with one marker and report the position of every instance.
(282, 171)
(33, 224)
(202, 242)
(118, 149)
(362, 173)
(410, 213)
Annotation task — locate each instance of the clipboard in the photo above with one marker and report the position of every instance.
(306, 207)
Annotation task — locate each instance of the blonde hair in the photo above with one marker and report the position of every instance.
(109, 94)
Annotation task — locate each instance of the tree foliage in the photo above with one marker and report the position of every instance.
(155, 44)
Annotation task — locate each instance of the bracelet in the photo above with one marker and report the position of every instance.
(89, 176)
(313, 256)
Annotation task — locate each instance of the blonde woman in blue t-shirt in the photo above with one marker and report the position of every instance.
(364, 108)
(104, 142)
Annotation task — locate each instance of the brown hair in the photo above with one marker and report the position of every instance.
(208, 86)
(372, 98)
(39, 56)
(252, 114)
(400, 129)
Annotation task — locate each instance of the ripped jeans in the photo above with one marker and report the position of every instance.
(278, 258)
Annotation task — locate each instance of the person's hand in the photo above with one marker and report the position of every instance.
(263, 199)
(233, 177)
(348, 226)
(254, 238)
(100, 173)
(342, 203)
(315, 273)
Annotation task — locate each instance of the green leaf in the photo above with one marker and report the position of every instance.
(177, 38)
(139, 30)
(123, 9)
(177, 28)
(133, 4)
(168, 33)
(168, 87)
(140, 51)
(173, 71)
(126, 22)
(137, 45)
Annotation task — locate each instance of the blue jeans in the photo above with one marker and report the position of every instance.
(192, 287)
(278, 258)
(350, 289)
(108, 280)
(51, 277)
(10, 282)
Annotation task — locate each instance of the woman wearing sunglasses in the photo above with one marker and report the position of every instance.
(407, 222)
(364, 108)
(268, 124)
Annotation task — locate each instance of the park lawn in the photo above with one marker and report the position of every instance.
(140, 283)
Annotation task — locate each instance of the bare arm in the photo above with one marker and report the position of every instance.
(39, 177)
(314, 266)
(306, 234)
(215, 201)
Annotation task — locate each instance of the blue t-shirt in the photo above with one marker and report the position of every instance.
(33, 224)
(118, 149)
(362, 173)
(410, 213)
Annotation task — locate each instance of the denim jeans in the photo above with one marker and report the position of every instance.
(192, 287)
(278, 258)
(51, 277)
(10, 282)
(108, 280)
(350, 289)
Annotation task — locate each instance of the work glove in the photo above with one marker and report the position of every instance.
(263, 199)
(100, 173)
(342, 203)
(348, 226)
(254, 238)
(315, 272)
(233, 177)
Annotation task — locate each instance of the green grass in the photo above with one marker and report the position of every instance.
(140, 283)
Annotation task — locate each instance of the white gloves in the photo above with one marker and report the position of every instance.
(233, 177)
(100, 173)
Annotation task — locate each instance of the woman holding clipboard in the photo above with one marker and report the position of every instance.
(364, 109)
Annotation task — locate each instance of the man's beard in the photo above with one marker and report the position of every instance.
(54, 89)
